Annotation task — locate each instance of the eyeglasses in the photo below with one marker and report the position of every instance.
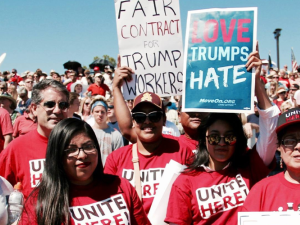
(215, 139)
(290, 143)
(131, 100)
(282, 93)
(61, 105)
(27, 82)
(110, 106)
(154, 117)
(2, 88)
(74, 152)
(276, 77)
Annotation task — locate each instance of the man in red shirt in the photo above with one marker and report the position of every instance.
(73, 76)
(23, 159)
(98, 88)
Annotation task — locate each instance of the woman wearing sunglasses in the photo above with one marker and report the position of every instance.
(215, 185)
(74, 189)
(153, 149)
(282, 191)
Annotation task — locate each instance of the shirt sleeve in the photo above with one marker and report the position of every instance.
(7, 163)
(6, 125)
(16, 128)
(118, 140)
(110, 165)
(267, 141)
(179, 206)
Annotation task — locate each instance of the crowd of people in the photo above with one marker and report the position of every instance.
(86, 155)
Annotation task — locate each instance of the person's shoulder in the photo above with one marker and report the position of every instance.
(267, 182)
(3, 112)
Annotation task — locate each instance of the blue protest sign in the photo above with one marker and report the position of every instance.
(218, 43)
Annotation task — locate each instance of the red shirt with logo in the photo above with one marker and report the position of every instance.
(23, 160)
(99, 203)
(5, 126)
(274, 193)
(98, 90)
(215, 197)
(152, 166)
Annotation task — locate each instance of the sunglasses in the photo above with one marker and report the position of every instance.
(141, 117)
(29, 82)
(61, 105)
(215, 139)
(110, 106)
(86, 103)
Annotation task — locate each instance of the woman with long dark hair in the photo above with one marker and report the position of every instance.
(214, 187)
(73, 187)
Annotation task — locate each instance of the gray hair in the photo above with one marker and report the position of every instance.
(36, 96)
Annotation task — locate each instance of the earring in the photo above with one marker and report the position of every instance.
(281, 166)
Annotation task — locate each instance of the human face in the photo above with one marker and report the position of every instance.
(129, 104)
(75, 106)
(97, 80)
(29, 84)
(79, 170)
(87, 105)
(190, 122)
(220, 154)
(110, 111)
(276, 78)
(5, 103)
(290, 155)
(48, 118)
(148, 131)
(2, 89)
(272, 87)
(78, 88)
(100, 114)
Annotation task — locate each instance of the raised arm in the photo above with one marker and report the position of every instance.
(121, 110)
(268, 113)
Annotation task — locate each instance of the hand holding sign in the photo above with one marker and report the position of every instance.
(254, 61)
(121, 73)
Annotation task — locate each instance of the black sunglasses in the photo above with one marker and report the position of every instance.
(110, 106)
(215, 139)
(61, 105)
(154, 117)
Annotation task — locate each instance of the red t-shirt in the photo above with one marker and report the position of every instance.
(202, 197)
(98, 203)
(274, 193)
(5, 126)
(23, 125)
(98, 90)
(23, 160)
(152, 166)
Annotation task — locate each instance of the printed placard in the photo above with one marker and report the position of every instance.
(150, 180)
(268, 218)
(109, 211)
(218, 43)
(150, 42)
(36, 171)
(221, 197)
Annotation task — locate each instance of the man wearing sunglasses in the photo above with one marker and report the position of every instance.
(23, 159)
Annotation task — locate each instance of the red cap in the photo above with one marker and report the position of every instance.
(148, 97)
(96, 68)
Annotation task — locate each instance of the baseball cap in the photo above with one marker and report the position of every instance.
(148, 97)
(98, 74)
(288, 118)
(280, 90)
(96, 68)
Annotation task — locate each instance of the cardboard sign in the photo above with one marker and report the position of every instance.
(150, 42)
(218, 43)
(268, 218)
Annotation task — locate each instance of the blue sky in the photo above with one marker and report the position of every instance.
(46, 34)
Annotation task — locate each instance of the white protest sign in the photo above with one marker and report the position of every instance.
(268, 218)
(150, 42)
